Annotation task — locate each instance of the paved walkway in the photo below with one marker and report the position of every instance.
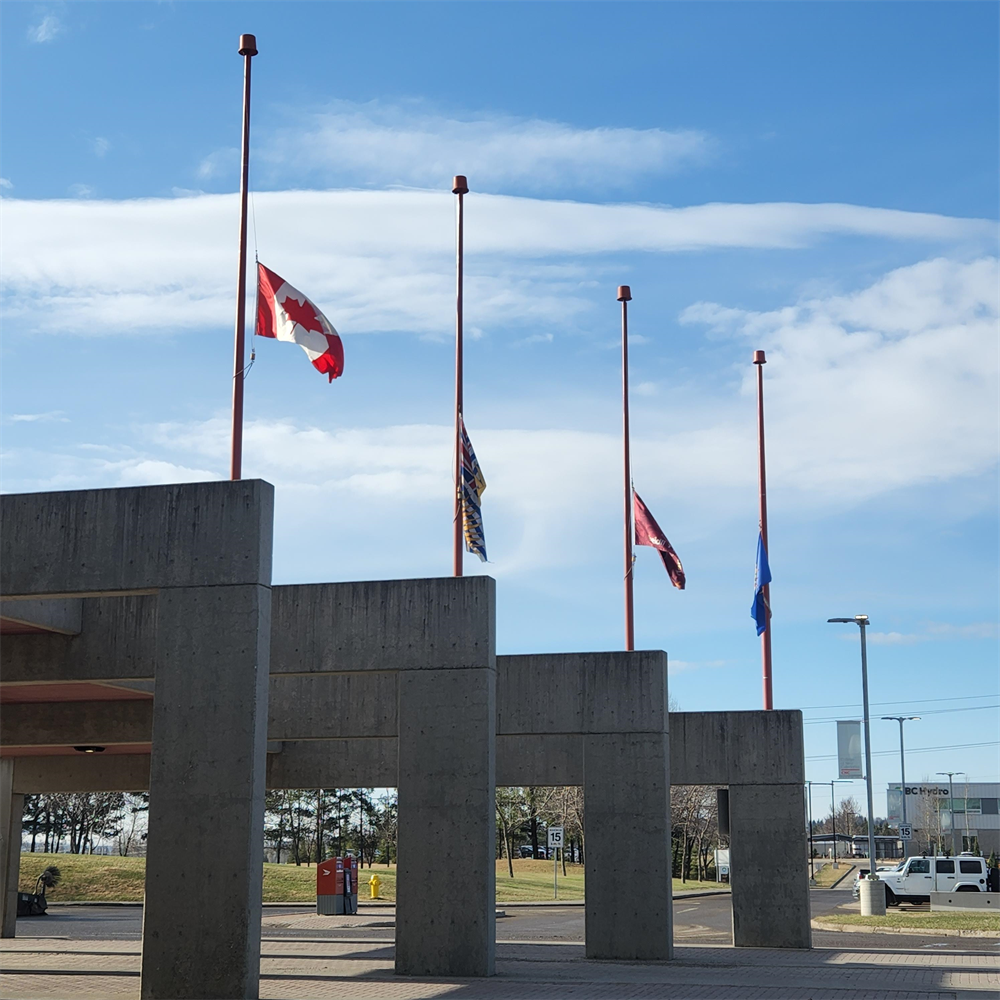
(43, 968)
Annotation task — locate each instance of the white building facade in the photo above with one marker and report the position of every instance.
(968, 822)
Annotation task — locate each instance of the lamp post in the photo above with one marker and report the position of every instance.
(951, 804)
(902, 765)
(862, 622)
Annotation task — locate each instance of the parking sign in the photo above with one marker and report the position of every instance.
(905, 831)
(555, 836)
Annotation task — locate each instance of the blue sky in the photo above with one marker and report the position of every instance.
(816, 180)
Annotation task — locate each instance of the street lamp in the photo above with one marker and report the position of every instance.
(902, 764)
(862, 622)
(951, 804)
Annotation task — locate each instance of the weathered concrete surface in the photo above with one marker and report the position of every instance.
(81, 773)
(383, 625)
(201, 920)
(581, 693)
(725, 748)
(537, 759)
(447, 722)
(333, 706)
(138, 538)
(62, 616)
(117, 641)
(770, 889)
(11, 808)
(70, 723)
(629, 912)
(348, 763)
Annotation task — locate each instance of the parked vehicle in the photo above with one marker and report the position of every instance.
(916, 878)
(525, 851)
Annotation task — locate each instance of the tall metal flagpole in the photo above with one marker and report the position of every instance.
(765, 640)
(459, 187)
(624, 297)
(248, 49)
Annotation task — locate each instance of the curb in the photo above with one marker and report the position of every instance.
(820, 925)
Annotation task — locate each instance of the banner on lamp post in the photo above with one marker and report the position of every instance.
(849, 749)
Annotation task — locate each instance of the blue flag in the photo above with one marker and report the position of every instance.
(761, 578)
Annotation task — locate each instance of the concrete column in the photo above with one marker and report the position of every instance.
(204, 865)
(769, 877)
(626, 797)
(447, 748)
(11, 809)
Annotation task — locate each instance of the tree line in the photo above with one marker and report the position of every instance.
(83, 820)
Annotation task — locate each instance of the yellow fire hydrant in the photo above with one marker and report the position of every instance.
(373, 884)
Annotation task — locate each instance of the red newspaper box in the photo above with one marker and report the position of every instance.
(337, 886)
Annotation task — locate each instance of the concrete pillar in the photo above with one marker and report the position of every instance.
(447, 748)
(626, 797)
(204, 864)
(769, 877)
(11, 809)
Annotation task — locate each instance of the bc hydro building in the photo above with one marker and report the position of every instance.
(968, 822)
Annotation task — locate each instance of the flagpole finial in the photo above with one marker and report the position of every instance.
(624, 293)
(758, 358)
(248, 45)
(460, 185)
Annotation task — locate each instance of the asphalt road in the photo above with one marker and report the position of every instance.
(703, 920)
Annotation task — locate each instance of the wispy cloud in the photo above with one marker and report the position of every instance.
(383, 256)
(377, 144)
(6, 184)
(31, 418)
(100, 146)
(935, 632)
(81, 191)
(48, 28)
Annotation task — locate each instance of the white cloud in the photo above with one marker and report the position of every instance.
(28, 418)
(81, 190)
(100, 146)
(6, 184)
(934, 632)
(384, 257)
(46, 29)
(375, 144)
(887, 387)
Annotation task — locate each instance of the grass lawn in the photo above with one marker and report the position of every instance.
(98, 878)
(827, 874)
(932, 921)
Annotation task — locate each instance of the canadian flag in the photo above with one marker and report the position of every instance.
(284, 313)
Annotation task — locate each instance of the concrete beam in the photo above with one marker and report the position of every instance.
(81, 773)
(62, 616)
(535, 759)
(351, 763)
(134, 539)
(383, 625)
(117, 641)
(725, 748)
(71, 723)
(333, 706)
(551, 693)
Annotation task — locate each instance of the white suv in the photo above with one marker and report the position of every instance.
(916, 878)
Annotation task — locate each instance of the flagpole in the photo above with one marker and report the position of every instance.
(248, 49)
(460, 187)
(624, 297)
(765, 639)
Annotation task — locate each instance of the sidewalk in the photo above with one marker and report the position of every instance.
(294, 970)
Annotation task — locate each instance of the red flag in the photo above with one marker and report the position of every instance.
(284, 313)
(648, 532)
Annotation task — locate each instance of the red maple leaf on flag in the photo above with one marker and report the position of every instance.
(301, 313)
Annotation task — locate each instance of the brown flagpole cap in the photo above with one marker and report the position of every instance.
(460, 185)
(248, 45)
(758, 358)
(624, 293)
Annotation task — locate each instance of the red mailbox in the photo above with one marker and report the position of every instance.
(337, 886)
